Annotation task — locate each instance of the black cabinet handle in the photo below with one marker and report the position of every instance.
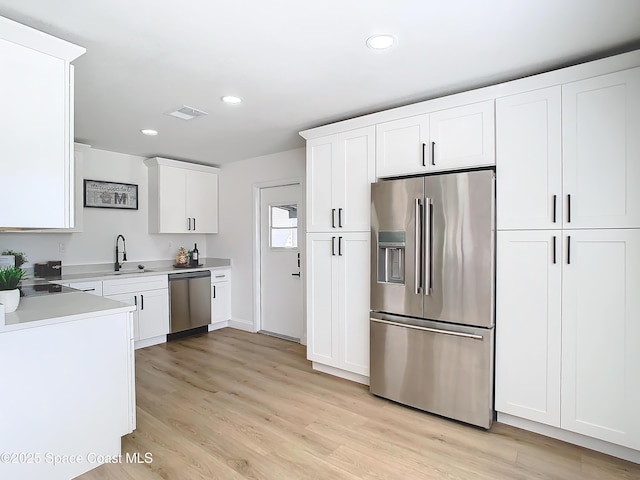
(568, 208)
(340, 217)
(333, 218)
(298, 260)
(424, 160)
(194, 223)
(333, 246)
(214, 291)
(554, 249)
(340, 246)
(188, 223)
(433, 153)
(295, 274)
(88, 289)
(569, 250)
(135, 301)
(141, 302)
(555, 198)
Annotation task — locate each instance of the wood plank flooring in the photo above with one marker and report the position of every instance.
(237, 405)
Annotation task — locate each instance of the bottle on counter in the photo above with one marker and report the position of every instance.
(195, 255)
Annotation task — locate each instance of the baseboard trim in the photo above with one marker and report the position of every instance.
(242, 325)
(570, 437)
(338, 372)
(149, 342)
(218, 326)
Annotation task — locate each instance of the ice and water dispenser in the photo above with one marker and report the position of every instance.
(391, 256)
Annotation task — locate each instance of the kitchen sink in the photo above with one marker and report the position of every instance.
(129, 272)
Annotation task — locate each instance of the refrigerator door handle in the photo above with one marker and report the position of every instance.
(428, 247)
(418, 247)
(427, 329)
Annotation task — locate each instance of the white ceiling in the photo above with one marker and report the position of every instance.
(299, 64)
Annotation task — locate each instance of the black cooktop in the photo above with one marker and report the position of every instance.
(44, 289)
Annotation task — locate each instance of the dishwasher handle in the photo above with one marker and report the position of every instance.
(186, 275)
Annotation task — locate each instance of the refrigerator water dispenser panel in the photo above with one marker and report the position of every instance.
(391, 249)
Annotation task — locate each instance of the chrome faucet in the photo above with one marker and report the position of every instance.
(124, 253)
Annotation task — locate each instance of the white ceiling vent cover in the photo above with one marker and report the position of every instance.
(187, 113)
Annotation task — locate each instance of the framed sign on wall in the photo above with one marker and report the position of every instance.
(101, 194)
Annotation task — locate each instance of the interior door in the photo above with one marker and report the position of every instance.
(280, 272)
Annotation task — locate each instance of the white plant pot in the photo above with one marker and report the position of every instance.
(10, 299)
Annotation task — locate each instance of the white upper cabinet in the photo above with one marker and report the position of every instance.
(401, 146)
(462, 137)
(340, 169)
(36, 128)
(455, 138)
(601, 335)
(529, 160)
(183, 197)
(601, 151)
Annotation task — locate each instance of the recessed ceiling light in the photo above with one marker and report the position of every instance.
(380, 42)
(150, 132)
(231, 100)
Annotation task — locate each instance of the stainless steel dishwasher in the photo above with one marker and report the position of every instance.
(190, 300)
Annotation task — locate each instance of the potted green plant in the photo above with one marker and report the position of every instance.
(21, 257)
(9, 293)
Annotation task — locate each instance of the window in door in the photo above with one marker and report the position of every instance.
(283, 226)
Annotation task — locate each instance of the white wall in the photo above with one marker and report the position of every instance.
(235, 239)
(95, 244)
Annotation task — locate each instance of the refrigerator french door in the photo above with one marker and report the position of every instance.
(432, 293)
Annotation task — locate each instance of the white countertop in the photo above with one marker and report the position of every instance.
(43, 310)
(98, 272)
(63, 307)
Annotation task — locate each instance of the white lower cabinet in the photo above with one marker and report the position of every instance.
(601, 335)
(150, 295)
(220, 296)
(528, 325)
(338, 300)
(568, 333)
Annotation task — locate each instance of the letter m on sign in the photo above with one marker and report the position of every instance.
(120, 198)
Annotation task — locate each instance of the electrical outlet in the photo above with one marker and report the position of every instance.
(62, 248)
(170, 244)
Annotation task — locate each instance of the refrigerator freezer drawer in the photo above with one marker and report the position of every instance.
(440, 368)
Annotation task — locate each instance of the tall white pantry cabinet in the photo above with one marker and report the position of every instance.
(340, 170)
(568, 257)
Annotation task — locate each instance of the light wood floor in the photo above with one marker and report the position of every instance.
(236, 405)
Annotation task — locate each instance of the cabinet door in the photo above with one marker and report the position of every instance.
(321, 255)
(529, 160)
(34, 134)
(153, 313)
(320, 214)
(220, 302)
(462, 137)
(353, 173)
(351, 288)
(202, 201)
(172, 194)
(402, 146)
(601, 335)
(528, 324)
(601, 151)
(130, 299)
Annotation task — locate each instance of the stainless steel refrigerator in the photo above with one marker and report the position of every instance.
(432, 293)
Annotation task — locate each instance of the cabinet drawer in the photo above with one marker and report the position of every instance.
(134, 284)
(220, 275)
(93, 287)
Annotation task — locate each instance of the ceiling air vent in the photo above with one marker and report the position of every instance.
(187, 113)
